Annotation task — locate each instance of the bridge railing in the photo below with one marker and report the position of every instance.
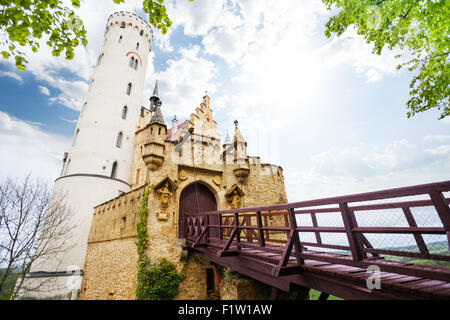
(281, 229)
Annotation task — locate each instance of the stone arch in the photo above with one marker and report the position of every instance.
(187, 203)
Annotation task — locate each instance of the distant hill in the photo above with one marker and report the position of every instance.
(440, 247)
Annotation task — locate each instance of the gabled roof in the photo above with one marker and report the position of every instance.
(177, 134)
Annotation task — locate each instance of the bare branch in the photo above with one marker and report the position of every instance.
(34, 226)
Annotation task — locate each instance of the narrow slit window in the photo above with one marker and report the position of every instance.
(119, 140)
(138, 175)
(66, 169)
(135, 64)
(75, 137)
(137, 46)
(124, 112)
(131, 64)
(83, 110)
(114, 170)
(129, 89)
(100, 58)
(120, 39)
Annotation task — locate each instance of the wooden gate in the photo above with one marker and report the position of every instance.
(194, 199)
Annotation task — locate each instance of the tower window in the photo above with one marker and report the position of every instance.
(119, 140)
(135, 64)
(83, 110)
(131, 62)
(137, 46)
(120, 39)
(114, 170)
(75, 137)
(124, 112)
(138, 175)
(66, 169)
(142, 32)
(129, 89)
(100, 58)
(122, 25)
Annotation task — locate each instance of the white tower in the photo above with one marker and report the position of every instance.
(98, 165)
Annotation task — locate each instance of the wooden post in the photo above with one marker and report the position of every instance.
(419, 239)
(262, 242)
(315, 225)
(353, 241)
(443, 211)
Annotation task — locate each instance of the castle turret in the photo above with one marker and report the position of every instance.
(98, 165)
(242, 169)
(174, 130)
(156, 131)
(240, 145)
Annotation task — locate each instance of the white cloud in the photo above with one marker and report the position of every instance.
(355, 169)
(436, 137)
(11, 75)
(162, 41)
(183, 83)
(44, 90)
(53, 70)
(26, 148)
(352, 49)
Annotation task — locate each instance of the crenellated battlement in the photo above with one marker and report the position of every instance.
(116, 218)
(124, 19)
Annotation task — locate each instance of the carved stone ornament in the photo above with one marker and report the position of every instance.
(217, 180)
(165, 190)
(234, 196)
(162, 215)
(183, 175)
(165, 195)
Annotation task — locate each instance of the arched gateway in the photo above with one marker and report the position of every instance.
(194, 198)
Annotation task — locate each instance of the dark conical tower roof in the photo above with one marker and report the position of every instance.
(154, 99)
(155, 107)
(157, 116)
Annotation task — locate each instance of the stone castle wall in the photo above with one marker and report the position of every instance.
(110, 269)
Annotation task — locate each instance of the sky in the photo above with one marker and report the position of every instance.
(327, 110)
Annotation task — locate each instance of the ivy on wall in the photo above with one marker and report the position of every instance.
(155, 281)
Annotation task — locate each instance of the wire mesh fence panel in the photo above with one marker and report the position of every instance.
(391, 200)
(437, 244)
(381, 218)
(330, 219)
(304, 220)
(426, 217)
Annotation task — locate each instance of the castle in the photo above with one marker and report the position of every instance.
(118, 149)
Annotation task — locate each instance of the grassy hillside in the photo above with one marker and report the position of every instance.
(434, 248)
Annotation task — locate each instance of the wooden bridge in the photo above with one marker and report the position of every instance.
(274, 244)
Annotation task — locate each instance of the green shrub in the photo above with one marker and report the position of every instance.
(158, 281)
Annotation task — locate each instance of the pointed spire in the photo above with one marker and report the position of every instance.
(228, 139)
(155, 91)
(154, 99)
(155, 107)
(237, 133)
